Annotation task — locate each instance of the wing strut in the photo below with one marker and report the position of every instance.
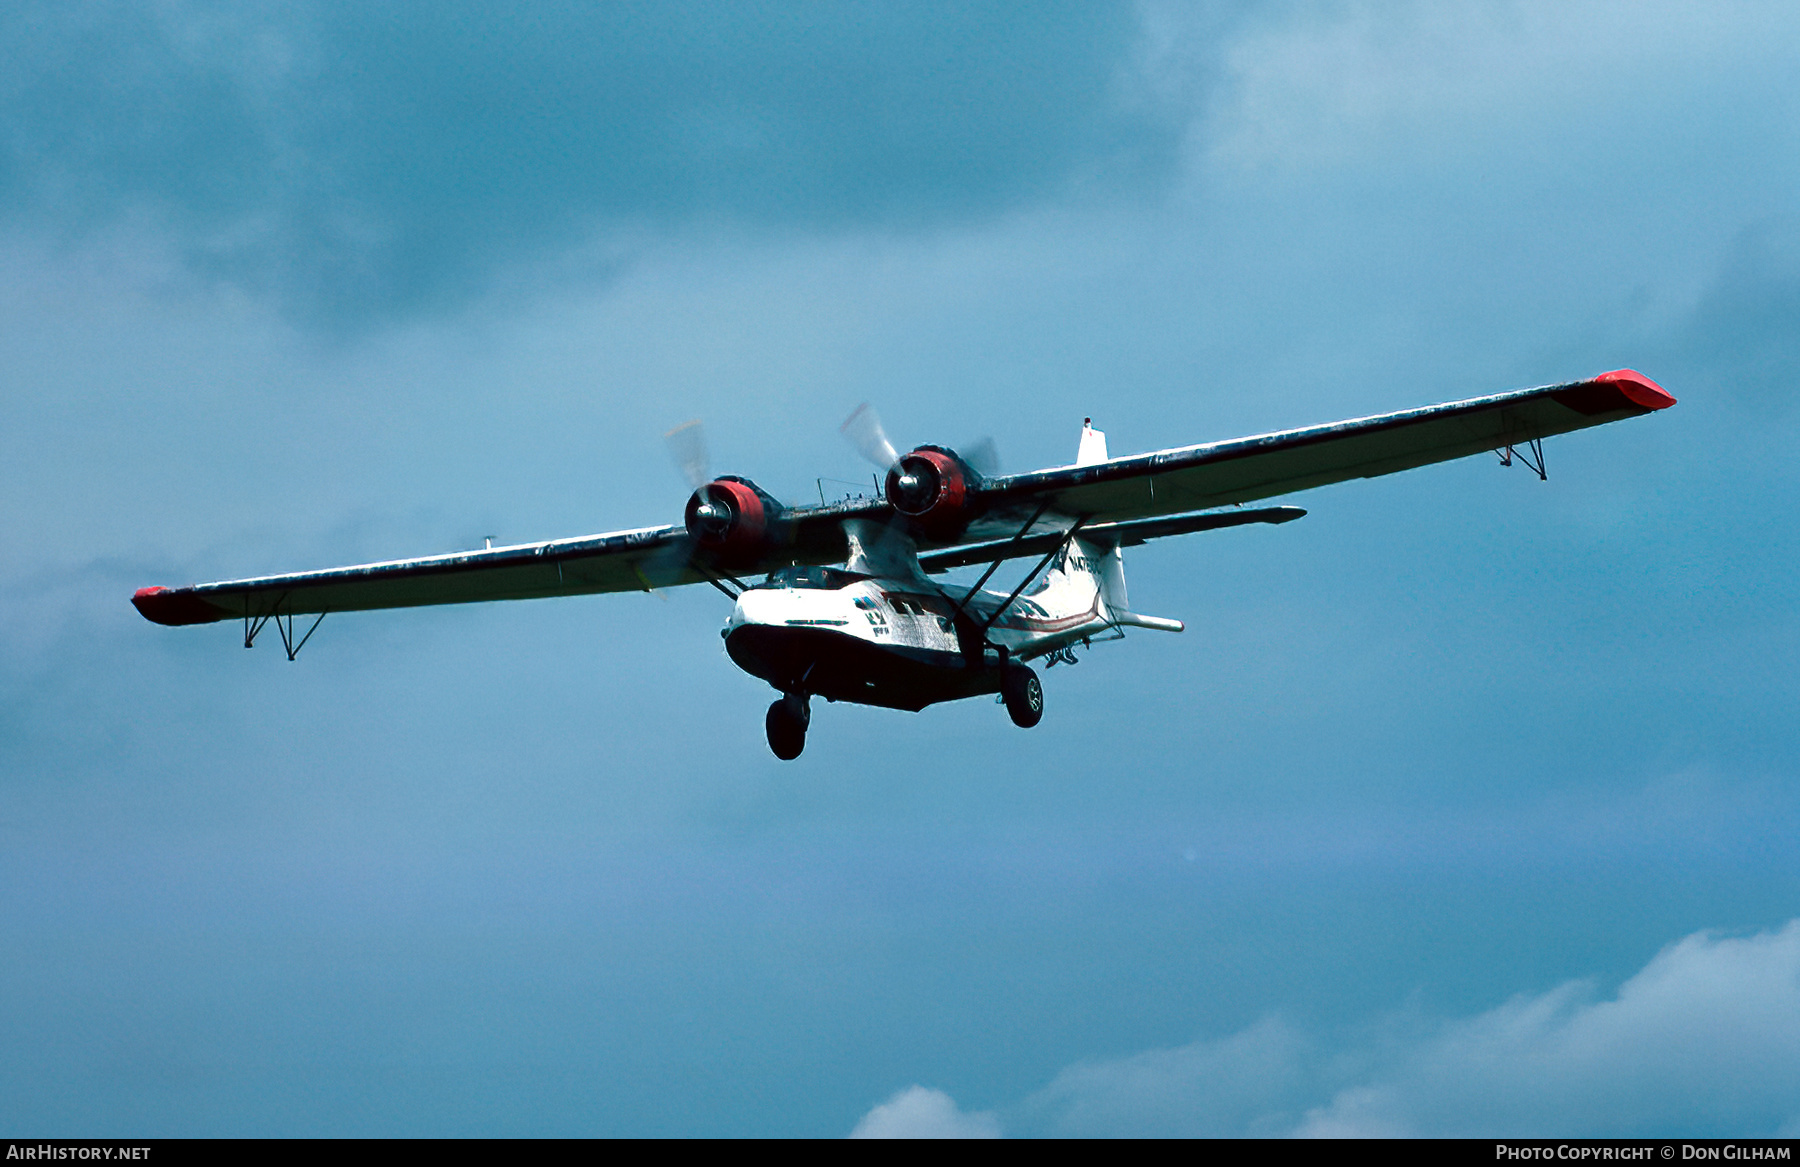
(253, 625)
(1535, 447)
(286, 628)
(719, 582)
(1001, 556)
(1041, 564)
(284, 624)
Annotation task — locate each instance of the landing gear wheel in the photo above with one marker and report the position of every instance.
(1024, 696)
(786, 725)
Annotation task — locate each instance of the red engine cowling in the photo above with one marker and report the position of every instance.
(932, 487)
(730, 518)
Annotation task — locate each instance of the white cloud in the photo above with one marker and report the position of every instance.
(919, 1113)
(1703, 1041)
(1329, 85)
(1253, 1082)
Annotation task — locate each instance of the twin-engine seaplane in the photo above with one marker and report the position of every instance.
(848, 608)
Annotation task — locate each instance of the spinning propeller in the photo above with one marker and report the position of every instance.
(728, 518)
(927, 481)
(687, 445)
(715, 506)
(862, 429)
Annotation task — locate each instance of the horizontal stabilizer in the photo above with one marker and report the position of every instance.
(1159, 623)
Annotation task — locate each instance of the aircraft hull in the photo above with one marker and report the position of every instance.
(841, 667)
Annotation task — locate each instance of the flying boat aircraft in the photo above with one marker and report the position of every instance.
(847, 607)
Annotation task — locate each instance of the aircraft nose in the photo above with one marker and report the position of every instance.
(760, 606)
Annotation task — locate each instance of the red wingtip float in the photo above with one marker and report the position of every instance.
(849, 609)
(1638, 388)
(164, 606)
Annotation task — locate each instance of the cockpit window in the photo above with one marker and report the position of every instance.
(824, 578)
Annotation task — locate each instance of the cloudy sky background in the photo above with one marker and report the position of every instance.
(1465, 805)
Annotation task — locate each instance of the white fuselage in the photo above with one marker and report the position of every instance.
(905, 642)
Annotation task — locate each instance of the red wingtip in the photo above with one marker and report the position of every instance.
(1639, 388)
(163, 606)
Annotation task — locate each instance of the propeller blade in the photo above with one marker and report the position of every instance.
(862, 429)
(983, 457)
(687, 445)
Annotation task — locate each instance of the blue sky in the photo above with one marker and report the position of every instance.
(1466, 804)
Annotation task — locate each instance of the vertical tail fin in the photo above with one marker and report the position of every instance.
(1102, 561)
(1105, 562)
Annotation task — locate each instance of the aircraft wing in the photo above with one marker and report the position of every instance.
(1192, 478)
(1125, 500)
(622, 561)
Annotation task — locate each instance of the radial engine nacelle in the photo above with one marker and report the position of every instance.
(934, 488)
(733, 518)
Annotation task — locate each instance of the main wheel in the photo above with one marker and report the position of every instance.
(1024, 696)
(786, 727)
